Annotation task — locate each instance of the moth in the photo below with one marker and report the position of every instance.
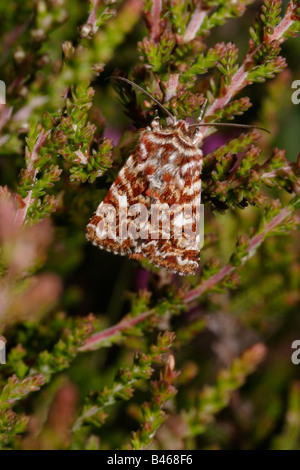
(152, 209)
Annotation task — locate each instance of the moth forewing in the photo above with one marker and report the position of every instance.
(155, 201)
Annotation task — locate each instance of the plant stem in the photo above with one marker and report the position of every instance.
(94, 341)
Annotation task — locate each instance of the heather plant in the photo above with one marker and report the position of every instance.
(103, 352)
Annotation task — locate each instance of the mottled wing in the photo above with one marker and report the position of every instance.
(163, 172)
(108, 227)
(177, 183)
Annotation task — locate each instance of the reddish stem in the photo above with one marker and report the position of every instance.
(194, 24)
(172, 85)
(98, 338)
(92, 19)
(257, 240)
(284, 24)
(22, 212)
(154, 19)
(209, 283)
(239, 80)
(205, 286)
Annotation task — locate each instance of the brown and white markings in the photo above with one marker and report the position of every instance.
(164, 169)
(161, 185)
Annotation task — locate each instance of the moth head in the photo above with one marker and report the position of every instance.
(191, 132)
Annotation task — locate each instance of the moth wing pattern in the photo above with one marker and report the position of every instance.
(103, 235)
(132, 184)
(176, 182)
(165, 168)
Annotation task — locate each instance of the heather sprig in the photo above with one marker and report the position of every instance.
(212, 399)
(125, 383)
(12, 425)
(71, 136)
(152, 412)
(214, 277)
(75, 139)
(47, 364)
(57, 160)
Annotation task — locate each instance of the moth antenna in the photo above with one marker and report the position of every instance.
(134, 85)
(227, 124)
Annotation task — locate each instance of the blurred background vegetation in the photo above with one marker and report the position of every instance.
(108, 353)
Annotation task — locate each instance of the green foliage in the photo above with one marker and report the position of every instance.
(74, 139)
(123, 387)
(212, 399)
(152, 414)
(70, 376)
(289, 439)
